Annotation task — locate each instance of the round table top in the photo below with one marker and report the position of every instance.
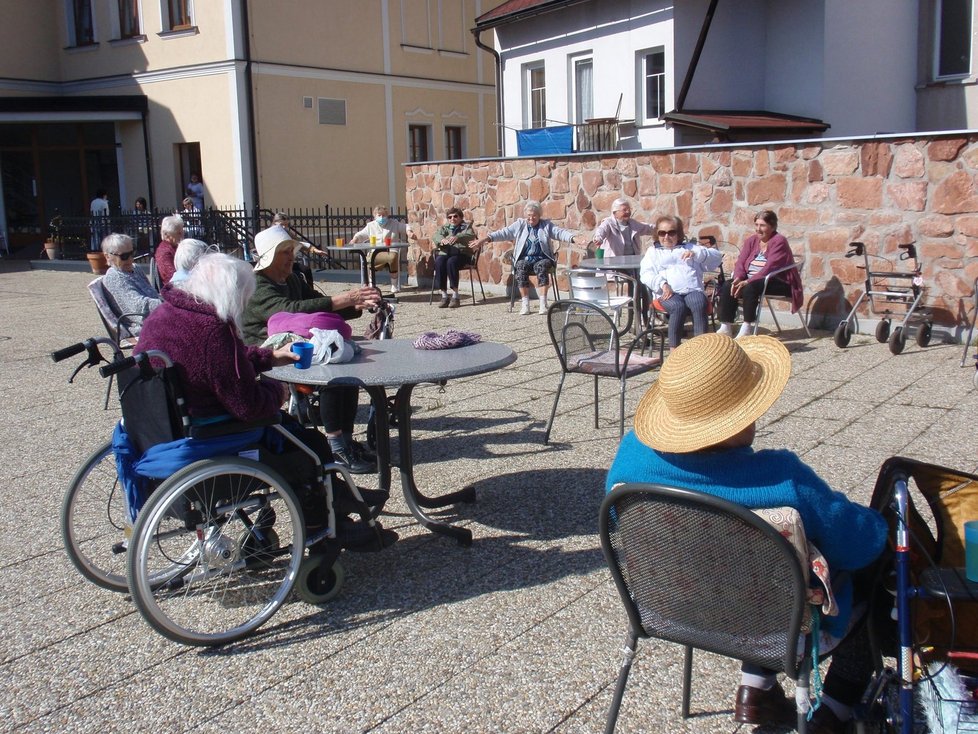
(395, 362)
(621, 262)
(361, 247)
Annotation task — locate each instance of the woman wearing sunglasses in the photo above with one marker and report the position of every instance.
(125, 285)
(673, 271)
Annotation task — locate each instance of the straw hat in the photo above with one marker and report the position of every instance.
(711, 388)
(267, 242)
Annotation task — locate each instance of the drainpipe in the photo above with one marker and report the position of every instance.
(250, 99)
(694, 62)
(499, 89)
(149, 162)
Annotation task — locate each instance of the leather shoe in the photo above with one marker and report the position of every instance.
(455, 303)
(824, 721)
(361, 451)
(444, 302)
(351, 462)
(758, 707)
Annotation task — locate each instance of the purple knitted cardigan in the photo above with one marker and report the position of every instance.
(219, 373)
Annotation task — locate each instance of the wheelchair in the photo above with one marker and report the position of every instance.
(933, 605)
(209, 552)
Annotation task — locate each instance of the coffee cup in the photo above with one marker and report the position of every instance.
(304, 350)
(339, 242)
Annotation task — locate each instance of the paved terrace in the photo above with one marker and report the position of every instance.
(519, 633)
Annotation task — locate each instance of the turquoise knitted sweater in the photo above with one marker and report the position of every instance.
(849, 535)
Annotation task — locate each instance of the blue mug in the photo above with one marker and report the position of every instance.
(304, 350)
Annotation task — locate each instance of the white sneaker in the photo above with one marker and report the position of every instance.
(525, 309)
(725, 330)
(395, 288)
(745, 330)
(543, 307)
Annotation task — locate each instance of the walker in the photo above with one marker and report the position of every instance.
(971, 332)
(905, 289)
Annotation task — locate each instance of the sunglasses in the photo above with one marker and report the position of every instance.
(668, 233)
(124, 255)
(454, 216)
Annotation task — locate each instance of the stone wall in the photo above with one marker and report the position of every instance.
(883, 192)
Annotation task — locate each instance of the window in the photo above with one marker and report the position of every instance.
(81, 30)
(454, 142)
(535, 107)
(128, 18)
(418, 147)
(652, 74)
(583, 89)
(332, 111)
(953, 53)
(177, 15)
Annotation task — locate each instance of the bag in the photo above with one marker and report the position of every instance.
(329, 347)
(382, 324)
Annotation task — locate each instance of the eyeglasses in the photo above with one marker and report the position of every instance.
(123, 255)
(667, 233)
(454, 216)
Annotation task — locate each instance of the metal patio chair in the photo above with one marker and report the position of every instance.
(798, 264)
(471, 268)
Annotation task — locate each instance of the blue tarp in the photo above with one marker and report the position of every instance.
(545, 141)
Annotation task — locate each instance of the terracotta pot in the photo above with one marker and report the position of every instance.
(98, 263)
(52, 250)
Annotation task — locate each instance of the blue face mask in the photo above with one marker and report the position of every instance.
(381, 220)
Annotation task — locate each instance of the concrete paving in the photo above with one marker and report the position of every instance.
(519, 633)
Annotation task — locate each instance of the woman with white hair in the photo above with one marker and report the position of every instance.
(619, 234)
(124, 283)
(189, 252)
(171, 230)
(532, 253)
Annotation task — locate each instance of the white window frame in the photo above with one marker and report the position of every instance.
(938, 7)
(117, 22)
(573, 92)
(167, 21)
(70, 24)
(640, 86)
(528, 90)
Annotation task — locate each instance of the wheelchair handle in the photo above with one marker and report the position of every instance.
(71, 351)
(141, 359)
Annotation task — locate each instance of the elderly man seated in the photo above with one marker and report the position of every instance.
(278, 290)
(126, 286)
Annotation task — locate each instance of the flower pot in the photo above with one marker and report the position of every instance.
(52, 250)
(98, 263)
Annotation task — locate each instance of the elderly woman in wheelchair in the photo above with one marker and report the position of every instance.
(694, 429)
(226, 497)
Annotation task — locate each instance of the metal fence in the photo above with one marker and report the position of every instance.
(233, 229)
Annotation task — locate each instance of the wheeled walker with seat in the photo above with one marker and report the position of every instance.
(210, 550)
(885, 289)
(934, 605)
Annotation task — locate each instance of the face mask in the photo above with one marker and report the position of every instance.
(381, 220)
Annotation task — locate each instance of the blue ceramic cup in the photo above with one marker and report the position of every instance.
(304, 350)
(971, 550)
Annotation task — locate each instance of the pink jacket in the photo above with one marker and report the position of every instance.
(779, 255)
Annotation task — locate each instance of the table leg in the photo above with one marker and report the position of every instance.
(364, 268)
(417, 501)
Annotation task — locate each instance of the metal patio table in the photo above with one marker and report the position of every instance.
(367, 252)
(395, 364)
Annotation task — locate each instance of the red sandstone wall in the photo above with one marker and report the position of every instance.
(882, 192)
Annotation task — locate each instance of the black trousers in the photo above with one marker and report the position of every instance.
(750, 294)
(338, 408)
(447, 268)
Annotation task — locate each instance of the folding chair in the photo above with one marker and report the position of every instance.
(118, 325)
(705, 573)
(587, 342)
(798, 264)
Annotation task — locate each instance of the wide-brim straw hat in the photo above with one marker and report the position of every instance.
(267, 242)
(712, 387)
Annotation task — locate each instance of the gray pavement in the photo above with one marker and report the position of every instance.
(519, 633)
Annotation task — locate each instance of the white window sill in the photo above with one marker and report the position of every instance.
(417, 49)
(951, 81)
(81, 49)
(179, 32)
(127, 41)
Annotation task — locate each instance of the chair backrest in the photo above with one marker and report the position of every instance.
(798, 265)
(698, 570)
(580, 331)
(589, 286)
(106, 308)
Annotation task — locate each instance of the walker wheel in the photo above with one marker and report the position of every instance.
(924, 334)
(883, 331)
(842, 335)
(317, 584)
(898, 340)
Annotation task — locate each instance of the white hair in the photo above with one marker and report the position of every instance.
(113, 242)
(533, 204)
(189, 251)
(620, 203)
(223, 282)
(171, 225)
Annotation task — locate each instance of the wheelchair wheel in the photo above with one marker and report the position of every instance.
(318, 582)
(898, 340)
(842, 335)
(94, 522)
(883, 331)
(924, 334)
(208, 528)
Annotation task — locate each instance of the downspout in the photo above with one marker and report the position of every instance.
(694, 62)
(499, 89)
(149, 161)
(250, 100)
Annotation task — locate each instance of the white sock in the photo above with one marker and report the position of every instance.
(725, 329)
(444, 294)
(761, 682)
(745, 330)
(454, 292)
(543, 302)
(526, 301)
